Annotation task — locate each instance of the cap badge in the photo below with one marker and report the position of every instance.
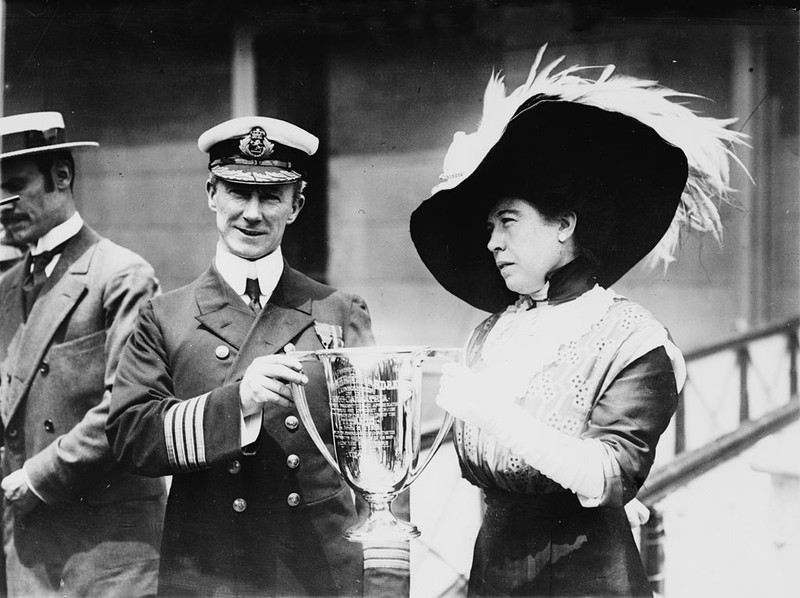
(256, 144)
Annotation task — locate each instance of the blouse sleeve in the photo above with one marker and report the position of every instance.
(629, 418)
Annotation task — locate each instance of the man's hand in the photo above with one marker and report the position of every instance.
(266, 382)
(16, 491)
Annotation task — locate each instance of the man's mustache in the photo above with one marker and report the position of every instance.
(9, 217)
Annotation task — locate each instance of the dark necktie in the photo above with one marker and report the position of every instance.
(253, 292)
(35, 276)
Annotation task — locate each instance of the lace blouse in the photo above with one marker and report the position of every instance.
(566, 364)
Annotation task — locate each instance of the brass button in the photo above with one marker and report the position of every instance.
(239, 505)
(288, 348)
(235, 466)
(293, 461)
(44, 367)
(292, 423)
(49, 426)
(222, 352)
(293, 499)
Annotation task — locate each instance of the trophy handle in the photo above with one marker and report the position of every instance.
(299, 396)
(447, 422)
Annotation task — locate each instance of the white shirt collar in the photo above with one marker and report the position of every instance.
(236, 270)
(58, 234)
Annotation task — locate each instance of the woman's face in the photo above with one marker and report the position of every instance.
(527, 247)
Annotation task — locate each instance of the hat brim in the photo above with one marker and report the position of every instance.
(631, 176)
(255, 175)
(71, 146)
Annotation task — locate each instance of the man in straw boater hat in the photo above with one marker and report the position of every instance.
(567, 183)
(75, 523)
(203, 395)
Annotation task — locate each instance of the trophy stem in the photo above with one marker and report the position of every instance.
(381, 524)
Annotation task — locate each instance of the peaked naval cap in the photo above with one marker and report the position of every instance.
(570, 143)
(258, 150)
(35, 133)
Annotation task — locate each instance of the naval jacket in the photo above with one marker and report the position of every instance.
(266, 519)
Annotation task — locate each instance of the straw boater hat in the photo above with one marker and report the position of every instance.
(35, 133)
(635, 166)
(258, 150)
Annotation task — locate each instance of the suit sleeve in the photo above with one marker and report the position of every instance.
(629, 418)
(79, 457)
(154, 433)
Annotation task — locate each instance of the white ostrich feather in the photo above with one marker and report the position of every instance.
(706, 141)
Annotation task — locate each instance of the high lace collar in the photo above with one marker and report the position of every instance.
(564, 284)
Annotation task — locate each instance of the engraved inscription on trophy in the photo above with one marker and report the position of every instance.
(374, 396)
(368, 426)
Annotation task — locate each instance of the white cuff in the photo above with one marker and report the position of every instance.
(250, 427)
(30, 486)
(638, 514)
(609, 465)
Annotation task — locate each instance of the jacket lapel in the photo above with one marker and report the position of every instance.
(61, 292)
(222, 312)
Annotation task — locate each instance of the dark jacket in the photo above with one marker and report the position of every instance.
(266, 520)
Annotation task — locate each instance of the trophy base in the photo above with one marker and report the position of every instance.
(380, 531)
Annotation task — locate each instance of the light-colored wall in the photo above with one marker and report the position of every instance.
(371, 198)
(377, 178)
(151, 198)
(145, 85)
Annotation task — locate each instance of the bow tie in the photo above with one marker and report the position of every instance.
(40, 260)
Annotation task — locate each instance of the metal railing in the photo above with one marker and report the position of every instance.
(740, 345)
(687, 465)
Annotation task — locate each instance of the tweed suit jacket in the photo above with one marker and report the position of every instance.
(264, 520)
(56, 373)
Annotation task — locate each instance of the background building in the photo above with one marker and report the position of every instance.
(385, 85)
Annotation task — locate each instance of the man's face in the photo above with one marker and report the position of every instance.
(38, 210)
(251, 219)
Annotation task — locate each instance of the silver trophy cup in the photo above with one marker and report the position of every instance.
(375, 397)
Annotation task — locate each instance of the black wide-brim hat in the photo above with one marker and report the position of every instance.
(620, 177)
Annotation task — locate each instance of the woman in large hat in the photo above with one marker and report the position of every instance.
(566, 185)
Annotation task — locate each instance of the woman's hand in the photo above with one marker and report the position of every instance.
(477, 398)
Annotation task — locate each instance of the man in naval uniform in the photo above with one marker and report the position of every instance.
(76, 524)
(203, 391)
